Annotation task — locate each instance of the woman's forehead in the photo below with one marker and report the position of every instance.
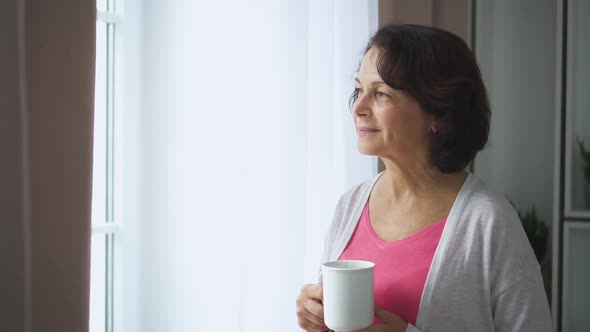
(370, 58)
(368, 69)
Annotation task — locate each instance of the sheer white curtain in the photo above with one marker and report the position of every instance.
(248, 142)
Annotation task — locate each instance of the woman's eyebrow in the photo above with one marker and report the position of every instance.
(372, 83)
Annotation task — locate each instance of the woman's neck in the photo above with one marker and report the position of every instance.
(415, 182)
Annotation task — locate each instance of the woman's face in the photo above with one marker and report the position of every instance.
(389, 123)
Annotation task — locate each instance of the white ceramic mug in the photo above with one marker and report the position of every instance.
(348, 295)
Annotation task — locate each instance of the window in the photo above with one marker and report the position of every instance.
(104, 217)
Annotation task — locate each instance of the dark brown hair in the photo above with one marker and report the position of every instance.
(439, 70)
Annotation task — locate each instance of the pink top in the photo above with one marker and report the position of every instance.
(401, 267)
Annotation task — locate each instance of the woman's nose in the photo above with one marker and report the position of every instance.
(361, 106)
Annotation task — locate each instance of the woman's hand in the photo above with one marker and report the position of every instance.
(310, 310)
(391, 322)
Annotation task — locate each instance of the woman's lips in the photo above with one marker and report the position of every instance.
(367, 131)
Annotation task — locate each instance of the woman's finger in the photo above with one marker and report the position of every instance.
(314, 312)
(315, 291)
(310, 326)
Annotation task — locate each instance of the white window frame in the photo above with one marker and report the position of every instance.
(110, 227)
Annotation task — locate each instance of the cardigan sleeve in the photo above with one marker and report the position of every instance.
(412, 328)
(518, 298)
(331, 235)
(523, 307)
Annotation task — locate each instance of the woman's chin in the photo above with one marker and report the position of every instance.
(367, 150)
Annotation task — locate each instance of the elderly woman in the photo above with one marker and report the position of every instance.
(449, 254)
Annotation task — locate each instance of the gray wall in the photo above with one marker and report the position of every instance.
(515, 47)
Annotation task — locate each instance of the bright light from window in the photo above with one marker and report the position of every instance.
(103, 221)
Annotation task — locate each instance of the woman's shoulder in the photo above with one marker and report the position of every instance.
(490, 218)
(488, 215)
(482, 201)
(502, 235)
(359, 191)
(354, 199)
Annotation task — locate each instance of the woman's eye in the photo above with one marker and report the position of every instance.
(382, 95)
(356, 93)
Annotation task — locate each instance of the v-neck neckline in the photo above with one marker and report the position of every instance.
(412, 237)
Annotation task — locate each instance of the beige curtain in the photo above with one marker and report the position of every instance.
(46, 114)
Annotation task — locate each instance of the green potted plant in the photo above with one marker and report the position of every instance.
(538, 234)
(585, 156)
(536, 231)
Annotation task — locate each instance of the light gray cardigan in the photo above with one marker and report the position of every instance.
(484, 275)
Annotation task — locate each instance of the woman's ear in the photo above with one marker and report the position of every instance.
(434, 127)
